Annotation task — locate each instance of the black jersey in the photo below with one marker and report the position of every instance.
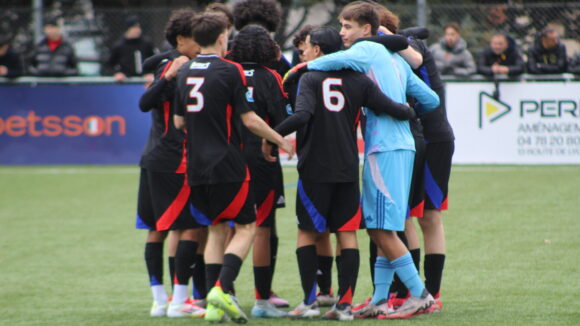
(212, 93)
(331, 104)
(165, 149)
(436, 127)
(271, 101)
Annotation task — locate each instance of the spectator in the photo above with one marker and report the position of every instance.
(128, 53)
(10, 61)
(574, 66)
(451, 54)
(548, 55)
(501, 57)
(53, 56)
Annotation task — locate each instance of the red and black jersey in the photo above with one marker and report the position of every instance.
(270, 100)
(328, 107)
(165, 147)
(211, 94)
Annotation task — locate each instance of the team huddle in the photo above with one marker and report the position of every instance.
(211, 179)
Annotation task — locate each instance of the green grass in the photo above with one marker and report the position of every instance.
(69, 253)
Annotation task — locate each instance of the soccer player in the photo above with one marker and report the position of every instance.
(254, 49)
(163, 188)
(325, 297)
(268, 14)
(431, 188)
(328, 109)
(213, 102)
(389, 154)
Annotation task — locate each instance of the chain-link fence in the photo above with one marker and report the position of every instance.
(93, 31)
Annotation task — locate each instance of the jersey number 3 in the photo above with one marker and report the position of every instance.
(196, 82)
(333, 99)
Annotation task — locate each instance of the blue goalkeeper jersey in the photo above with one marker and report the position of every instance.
(396, 79)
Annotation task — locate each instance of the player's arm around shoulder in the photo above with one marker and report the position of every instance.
(427, 98)
(358, 57)
(376, 100)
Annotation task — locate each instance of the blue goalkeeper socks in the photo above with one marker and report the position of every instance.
(407, 272)
(384, 273)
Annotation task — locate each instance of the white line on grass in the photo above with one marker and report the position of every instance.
(59, 171)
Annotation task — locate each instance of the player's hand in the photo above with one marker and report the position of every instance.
(267, 151)
(287, 147)
(120, 77)
(294, 74)
(175, 65)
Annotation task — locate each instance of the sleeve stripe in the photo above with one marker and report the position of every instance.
(278, 79)
(166, 68)
(240, 69)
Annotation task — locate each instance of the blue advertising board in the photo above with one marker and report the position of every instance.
(72, 124)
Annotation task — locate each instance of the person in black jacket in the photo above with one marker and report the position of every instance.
(10, 61)
(548, 55)
(53, 56)
(501, 57)
(128, 54)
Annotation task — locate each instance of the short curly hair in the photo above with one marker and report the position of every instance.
(254, 44)
(179, 23)
(301, 35)
(218, 7)
(266, 13)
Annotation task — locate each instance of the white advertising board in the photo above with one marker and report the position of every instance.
(530, 122)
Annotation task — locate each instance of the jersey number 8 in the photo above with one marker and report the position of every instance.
(196, 82)
(333, 99)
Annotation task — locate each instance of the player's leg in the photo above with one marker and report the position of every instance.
(265, 215)
(312, 207)
(232, 202)
(437, 173)
(325, 297)
(199, 283)
(170, 195)
(172, 240)
(145, 219)
(386, 180)
(345, 220)
(399, 291)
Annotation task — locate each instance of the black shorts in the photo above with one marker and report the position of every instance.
(437, 172)
(265, 187)
(332, 206)
(417, 192)
(162, 201)
(216, 203)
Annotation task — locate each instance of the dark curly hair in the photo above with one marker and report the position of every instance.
(179, 23)
(301, 35)
(266, 13)
(218, 7)
(254, 44)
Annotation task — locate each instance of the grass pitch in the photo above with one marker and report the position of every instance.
(69, 253)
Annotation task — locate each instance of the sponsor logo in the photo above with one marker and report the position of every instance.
(34, 125)
(491, 109)
(199, 65)
(249, 73)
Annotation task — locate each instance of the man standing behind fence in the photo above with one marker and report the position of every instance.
(53, 56)
(548, 55)
(128, 54)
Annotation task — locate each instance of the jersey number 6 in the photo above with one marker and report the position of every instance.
(196, 82)
(333, 99)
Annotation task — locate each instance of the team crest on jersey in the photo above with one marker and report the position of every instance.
(250, 95)
(249, 73)
(199, 65)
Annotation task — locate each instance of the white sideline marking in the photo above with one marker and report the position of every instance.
(60, 171)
